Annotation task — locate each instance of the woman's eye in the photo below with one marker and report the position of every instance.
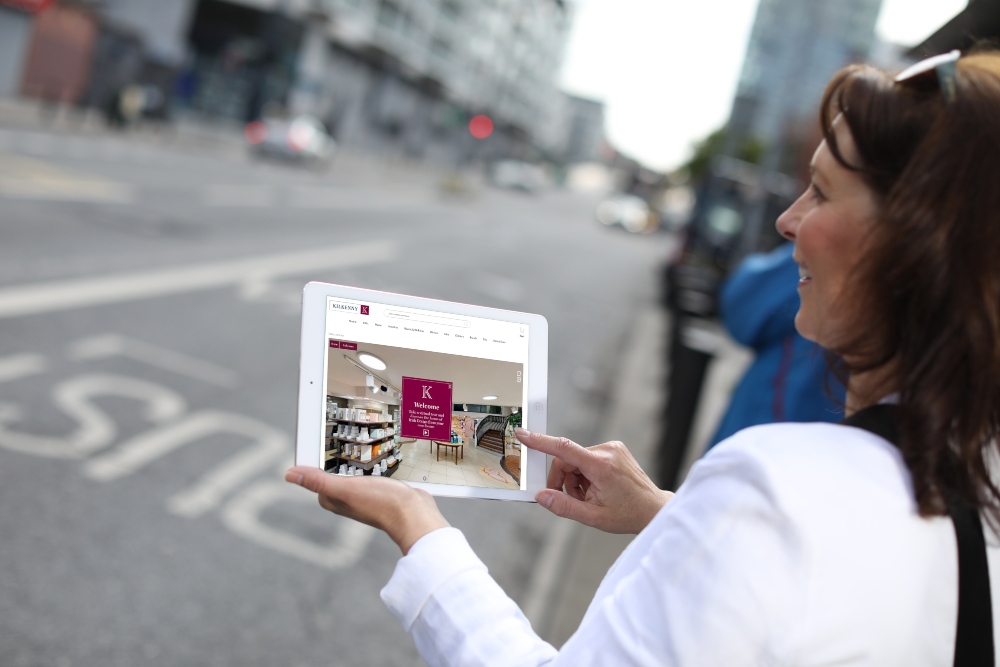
(817, 194)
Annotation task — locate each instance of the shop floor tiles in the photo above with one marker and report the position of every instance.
(477, 467)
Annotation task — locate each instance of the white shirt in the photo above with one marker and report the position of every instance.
(789, 544)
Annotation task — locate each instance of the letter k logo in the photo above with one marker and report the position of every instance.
(426, 391)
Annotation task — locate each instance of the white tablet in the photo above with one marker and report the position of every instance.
(428, 392)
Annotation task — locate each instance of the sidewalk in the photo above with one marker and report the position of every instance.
(575, 558)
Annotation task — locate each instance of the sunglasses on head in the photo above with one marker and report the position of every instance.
(939, 69)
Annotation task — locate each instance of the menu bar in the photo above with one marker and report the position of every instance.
(424, 330)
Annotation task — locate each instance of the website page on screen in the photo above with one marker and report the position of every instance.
(424, 396)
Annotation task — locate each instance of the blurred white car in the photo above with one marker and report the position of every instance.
(301, 139)
(629, 211)
(517, 175)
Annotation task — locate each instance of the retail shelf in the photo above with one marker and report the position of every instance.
(351, 421)
(361, 442)
(389, 472)
(367, 465)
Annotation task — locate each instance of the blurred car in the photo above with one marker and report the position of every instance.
(302, 139)
(628, 211)
(517, 175)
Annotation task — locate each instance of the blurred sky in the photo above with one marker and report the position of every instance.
(667, 69)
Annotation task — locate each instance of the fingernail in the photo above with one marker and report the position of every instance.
(294, 477)
(522, 432)
(544, 499)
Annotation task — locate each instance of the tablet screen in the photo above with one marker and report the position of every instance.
(424, 396)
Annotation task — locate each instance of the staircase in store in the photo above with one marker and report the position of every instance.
(492, 441)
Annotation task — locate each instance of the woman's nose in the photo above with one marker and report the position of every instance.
(788, 221)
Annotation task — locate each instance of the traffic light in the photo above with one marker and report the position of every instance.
(481, 126)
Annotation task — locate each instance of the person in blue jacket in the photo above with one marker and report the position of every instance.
(788, 380)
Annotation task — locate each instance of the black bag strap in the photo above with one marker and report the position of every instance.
(974, 638)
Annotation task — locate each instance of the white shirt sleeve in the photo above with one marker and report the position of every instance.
(443, 595)
(715, 579)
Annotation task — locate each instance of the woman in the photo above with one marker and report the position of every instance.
(790, 543)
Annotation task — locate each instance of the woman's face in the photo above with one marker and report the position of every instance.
(828, 224)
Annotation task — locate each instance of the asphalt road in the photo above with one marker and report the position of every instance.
(149, 301)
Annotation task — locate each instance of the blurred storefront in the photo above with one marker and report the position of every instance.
(241, 59)
(394, 77)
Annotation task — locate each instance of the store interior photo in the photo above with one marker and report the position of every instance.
(363, 417)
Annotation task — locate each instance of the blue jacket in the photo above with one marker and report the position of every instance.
(788, 379)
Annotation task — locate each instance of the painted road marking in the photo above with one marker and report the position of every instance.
(18, 366)
(95, 429)
(27, 178)
(114, 345)
(85, 292)
(267, 449)
(242, 516)
(266, 444)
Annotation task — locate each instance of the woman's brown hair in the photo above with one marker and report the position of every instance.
(928, 283)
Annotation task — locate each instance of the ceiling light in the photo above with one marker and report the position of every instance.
(371, 361)
(370, 380)
(491, 397)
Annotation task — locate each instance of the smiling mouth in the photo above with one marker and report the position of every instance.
(805, 276)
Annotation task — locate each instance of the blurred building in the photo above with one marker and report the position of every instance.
(582, 121)
(398, 75)
(15, 35)
(794, 49)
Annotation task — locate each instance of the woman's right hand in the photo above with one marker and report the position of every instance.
(601, 486)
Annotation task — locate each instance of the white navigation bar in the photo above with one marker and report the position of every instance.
(429, 331)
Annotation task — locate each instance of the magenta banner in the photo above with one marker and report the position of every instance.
(425, 409)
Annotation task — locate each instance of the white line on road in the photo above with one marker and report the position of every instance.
(264, 445)
(115, 345)
(18, 366)
(95, 429)
(85, 292)
(242, 515)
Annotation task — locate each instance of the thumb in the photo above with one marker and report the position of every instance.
(566, 506)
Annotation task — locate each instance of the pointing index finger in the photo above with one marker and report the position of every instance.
(562, 448)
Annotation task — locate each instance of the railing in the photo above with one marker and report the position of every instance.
(490, 423)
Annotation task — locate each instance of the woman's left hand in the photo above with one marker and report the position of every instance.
(404, 513)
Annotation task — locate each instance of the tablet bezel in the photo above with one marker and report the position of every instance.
(312, 367)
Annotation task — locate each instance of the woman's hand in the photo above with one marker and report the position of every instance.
(601, 486)
(404, 513)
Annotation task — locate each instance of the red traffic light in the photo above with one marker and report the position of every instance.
(480, 126)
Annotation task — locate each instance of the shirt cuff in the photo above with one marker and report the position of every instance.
(434, 559)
